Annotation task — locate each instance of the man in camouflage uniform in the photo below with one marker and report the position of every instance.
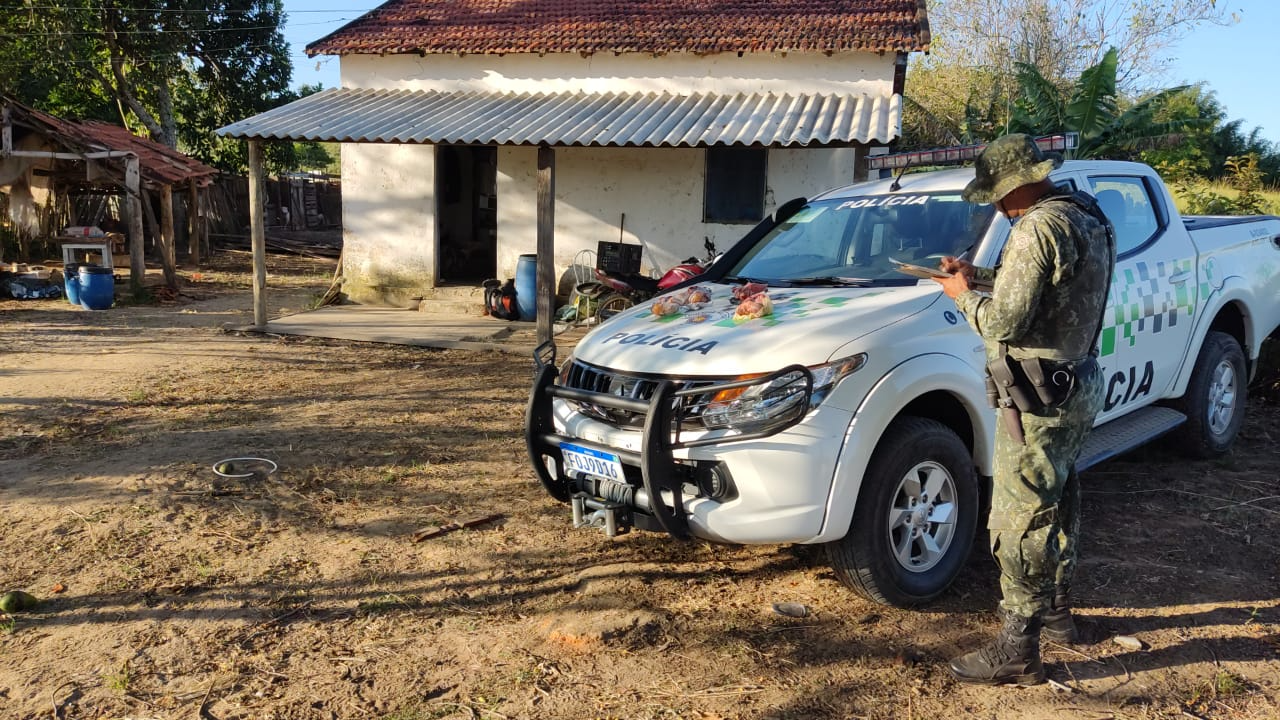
(1047, 303)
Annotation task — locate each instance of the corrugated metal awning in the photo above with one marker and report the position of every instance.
(563, 119)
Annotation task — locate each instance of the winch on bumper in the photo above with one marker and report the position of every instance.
(615, 488)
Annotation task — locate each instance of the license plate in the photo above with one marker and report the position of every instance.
(578, 459)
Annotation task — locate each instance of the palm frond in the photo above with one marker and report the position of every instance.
(1040, 106)
(1093, 103)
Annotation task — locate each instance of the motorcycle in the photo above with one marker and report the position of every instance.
(615, 292)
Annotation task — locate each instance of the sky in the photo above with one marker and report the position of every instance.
(1231, 60)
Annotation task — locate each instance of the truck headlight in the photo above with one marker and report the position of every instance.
(826, 377)
(757, 408)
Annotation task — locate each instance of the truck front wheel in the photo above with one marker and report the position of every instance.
(914, 522)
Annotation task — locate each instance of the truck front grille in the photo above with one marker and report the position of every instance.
(582, 376)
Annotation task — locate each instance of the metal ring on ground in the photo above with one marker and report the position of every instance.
(270, 467)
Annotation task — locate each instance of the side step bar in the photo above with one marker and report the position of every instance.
(1126, 433)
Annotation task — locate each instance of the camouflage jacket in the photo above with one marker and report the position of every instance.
(1050, 288)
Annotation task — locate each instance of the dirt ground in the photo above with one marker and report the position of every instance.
(169, 592)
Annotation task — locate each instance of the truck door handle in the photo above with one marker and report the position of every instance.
(1179, 278)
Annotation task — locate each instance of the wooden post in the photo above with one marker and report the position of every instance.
(546, 241)
(168, 243)
(6, 130)
(133, 193)
(206, 207)
(257, 210)
(193, 223)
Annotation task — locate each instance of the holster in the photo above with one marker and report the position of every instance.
(1008, 414)
(1012, 382)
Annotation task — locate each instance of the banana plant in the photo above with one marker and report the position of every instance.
(1091, 107)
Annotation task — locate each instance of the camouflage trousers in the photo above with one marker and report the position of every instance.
(1035, 500)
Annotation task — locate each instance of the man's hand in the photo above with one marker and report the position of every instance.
(955, 265)
(953, 286)
(961, 271)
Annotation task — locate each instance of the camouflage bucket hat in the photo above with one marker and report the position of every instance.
(1008, 163)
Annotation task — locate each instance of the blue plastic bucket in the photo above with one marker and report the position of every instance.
(97, 287)
(71, 282)
(527, 287)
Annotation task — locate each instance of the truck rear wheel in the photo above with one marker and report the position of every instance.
(1215, 398)
(916, 515)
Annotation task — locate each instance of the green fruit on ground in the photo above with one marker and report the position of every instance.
(17, 601)
(225, 468)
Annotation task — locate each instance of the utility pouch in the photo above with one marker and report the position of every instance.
(1051, 381)
(1012, 381)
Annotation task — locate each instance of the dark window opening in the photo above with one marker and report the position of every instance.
(735, 185)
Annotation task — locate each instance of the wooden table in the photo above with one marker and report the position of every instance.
(70, 244)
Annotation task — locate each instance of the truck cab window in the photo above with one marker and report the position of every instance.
(1127, 203)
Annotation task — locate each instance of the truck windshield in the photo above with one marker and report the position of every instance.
(858, 238)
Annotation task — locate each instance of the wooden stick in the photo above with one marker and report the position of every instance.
(435, 531)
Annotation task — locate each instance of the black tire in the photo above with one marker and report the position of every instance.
(611, 305)
(1215, 399)
(866, 559)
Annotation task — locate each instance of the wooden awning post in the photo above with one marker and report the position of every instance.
(168, 242)
(133, 195)
(257, 211)
(546, 241)
(193, 223)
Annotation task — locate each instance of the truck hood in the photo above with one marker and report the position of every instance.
(808, 326)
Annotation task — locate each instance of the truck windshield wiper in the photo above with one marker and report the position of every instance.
(744, 279)
(829, 280)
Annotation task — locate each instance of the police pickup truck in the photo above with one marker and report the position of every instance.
(805, 390)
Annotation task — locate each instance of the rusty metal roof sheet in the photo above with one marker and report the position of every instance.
(563, 119)
(159, 164)
(622, 26)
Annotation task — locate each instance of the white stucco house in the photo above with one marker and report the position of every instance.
(656, 123)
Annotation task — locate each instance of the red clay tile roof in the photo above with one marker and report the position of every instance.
(647, 26)
(158, 164)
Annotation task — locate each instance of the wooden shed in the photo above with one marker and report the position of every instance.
(42, 156)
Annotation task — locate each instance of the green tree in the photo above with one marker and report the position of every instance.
(1063, 37)
(1091, 107)
(1206, 150)
(968, 82)
(177, 68)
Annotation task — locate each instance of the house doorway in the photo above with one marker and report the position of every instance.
(466, 213)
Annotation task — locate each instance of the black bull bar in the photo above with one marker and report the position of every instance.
(665, 414)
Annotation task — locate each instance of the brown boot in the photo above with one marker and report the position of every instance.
(1013, 657)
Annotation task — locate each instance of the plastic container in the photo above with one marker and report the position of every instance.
(527, 287)
(71, 282)
(97, 287)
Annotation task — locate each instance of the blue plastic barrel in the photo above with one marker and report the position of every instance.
(527, 287)
(71, 282)
(97, 287)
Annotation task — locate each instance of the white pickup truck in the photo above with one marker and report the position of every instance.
(845, 404)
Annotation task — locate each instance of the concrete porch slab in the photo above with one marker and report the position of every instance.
(368, 323)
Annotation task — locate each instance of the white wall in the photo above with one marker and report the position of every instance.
(388, 219)
(387, 190)
(659, 189)
(849, 72)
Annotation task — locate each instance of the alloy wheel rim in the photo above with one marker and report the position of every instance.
(922, 517)
(1222, 398)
